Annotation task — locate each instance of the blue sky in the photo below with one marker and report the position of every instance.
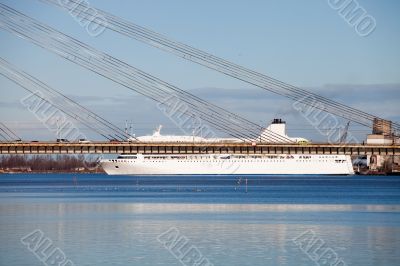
(304, 43)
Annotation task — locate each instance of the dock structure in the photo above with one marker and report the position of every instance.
(194, 148)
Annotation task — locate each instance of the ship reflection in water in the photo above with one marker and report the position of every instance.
(103, 224)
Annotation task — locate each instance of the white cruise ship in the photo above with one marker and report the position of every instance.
(226, 164)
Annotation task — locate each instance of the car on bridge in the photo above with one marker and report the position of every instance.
(83, 141)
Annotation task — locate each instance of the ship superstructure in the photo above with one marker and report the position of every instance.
(226, 164)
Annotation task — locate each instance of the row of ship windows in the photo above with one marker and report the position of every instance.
(229, 157)
(248, 161)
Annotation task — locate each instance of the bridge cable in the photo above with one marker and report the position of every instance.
(74, 110)
(159, 41)
(17, 24)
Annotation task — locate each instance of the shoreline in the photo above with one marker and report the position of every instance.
(51, 172)
(103, 172)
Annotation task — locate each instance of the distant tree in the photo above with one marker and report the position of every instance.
(45, 162)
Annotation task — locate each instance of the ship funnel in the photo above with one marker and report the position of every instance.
(278, 126)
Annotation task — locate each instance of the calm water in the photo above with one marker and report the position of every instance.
(102, 220)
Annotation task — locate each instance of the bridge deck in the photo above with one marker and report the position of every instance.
(194, 148)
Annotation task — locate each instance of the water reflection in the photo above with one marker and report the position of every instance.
(227, 234)
(112, 221)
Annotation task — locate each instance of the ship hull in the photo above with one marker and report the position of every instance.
(313, 165)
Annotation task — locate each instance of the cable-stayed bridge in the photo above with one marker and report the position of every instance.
(158, 90)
